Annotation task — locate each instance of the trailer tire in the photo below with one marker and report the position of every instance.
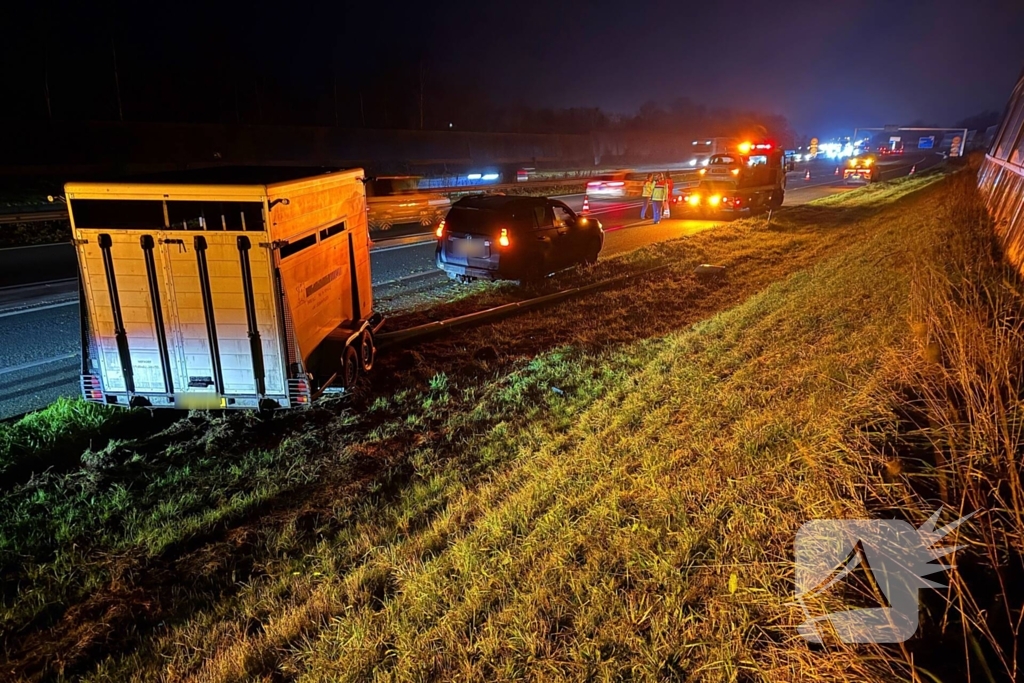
(350, 367)
(778, 197)
(367, 350)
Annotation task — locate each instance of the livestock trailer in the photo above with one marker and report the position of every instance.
(223, 295)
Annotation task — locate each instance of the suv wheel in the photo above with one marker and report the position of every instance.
(590, 258)
(533, 274)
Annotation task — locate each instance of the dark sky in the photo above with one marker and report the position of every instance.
(827, 66)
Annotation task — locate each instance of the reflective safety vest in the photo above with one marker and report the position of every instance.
(648, 189)
(660, 193)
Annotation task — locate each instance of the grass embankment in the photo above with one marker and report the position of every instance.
(606, 488)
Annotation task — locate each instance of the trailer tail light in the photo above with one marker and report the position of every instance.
(714, 200)
(737, 202)
(693, 199)
(299, 392)
(503, 238)
(92, 388)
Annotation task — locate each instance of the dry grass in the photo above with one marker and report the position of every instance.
(955, 436)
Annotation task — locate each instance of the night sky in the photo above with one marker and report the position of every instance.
(826, 66)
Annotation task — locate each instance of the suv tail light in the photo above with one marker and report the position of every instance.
(440, 229)
(503, 238)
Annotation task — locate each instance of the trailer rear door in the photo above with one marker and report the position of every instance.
(180, 316)
(222, 312)
(128, 347)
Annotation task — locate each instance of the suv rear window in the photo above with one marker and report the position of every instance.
(467, 219)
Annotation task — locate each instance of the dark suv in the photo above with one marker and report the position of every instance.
(496, 237)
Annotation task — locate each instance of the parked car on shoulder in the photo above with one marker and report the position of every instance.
(397, 200)
(498, 237)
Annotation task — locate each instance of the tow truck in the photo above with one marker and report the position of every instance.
(752, 179)
(863, 168)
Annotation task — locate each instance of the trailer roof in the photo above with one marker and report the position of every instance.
(224, 183)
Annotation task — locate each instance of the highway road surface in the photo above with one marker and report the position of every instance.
(40, 339)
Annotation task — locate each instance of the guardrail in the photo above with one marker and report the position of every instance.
(33, 216)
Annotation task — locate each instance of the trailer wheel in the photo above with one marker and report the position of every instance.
(367, 350)
(778, 197)
(350, 367)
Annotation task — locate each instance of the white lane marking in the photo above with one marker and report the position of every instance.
(425, 240)
(39, 308)
(47, 283)
(37, 363)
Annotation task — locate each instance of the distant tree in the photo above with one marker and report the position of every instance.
(980, 121)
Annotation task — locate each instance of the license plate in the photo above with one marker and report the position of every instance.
(199, 401)
(474, 248)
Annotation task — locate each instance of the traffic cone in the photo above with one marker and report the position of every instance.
(807, 176)
(586, 204)
(913, 169)
(837, 171)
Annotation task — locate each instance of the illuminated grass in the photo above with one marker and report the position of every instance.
(574, 513)
(31, 442)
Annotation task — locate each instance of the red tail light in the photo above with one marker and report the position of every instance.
(440, 229)
(503, 240)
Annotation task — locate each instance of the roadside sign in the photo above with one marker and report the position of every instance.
(812, 149)
(927, 142)
(956, 148)
(895, 138)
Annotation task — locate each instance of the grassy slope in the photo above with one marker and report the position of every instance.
(607, 547)
(512, 528)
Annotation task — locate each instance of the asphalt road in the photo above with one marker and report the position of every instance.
(40, 345)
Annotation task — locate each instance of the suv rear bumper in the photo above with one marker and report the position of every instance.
(468, 271)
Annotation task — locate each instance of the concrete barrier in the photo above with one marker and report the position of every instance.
(21, 266)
